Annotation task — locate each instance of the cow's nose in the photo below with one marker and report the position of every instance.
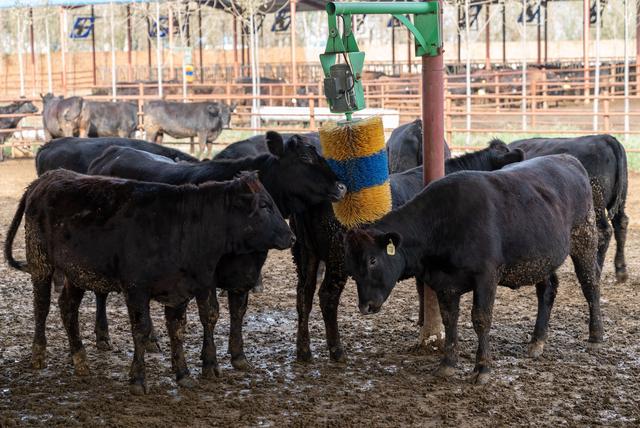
(342, 190)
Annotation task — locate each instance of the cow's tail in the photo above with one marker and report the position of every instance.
(11, 234)
(622, 182)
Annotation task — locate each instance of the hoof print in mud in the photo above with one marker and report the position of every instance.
(211, 372)
(187, 382)
(138, 389)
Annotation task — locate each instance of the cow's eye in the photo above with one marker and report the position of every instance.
(264, 204)
(372, 261)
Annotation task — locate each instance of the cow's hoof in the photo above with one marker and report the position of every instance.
(622, 276)
(304, 356)
(337, 355)
(480, 378)
(152, 346)
(444, 371)
(104, 345)
(187, 382)
(38, 357)
(222, 293)
(259, 288)
(594, 346)
(210, 372)
(80, 366)
(138, 389)
(241, 363)
(536, 349)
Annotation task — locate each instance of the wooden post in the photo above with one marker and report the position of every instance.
(171, 26)
(312, 114)
(158, 48)
(409, 49)
(504, 33)
(49, 65)
(497, 91)
(459, 34)
(235, 48)
(113, 53)
(148, 42)
(546, 36)
(393, 45)
(539, 31)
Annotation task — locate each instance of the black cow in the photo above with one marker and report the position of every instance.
(605, 160)
(404, 147)
(17, 107)
(257, 145)
(472, 231)
(293, 174)
(153, 244)
(75, 154)
(106, 119)
(204, 120)
(320, 239)
(61, 116)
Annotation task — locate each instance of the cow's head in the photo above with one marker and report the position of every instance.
(26, 107)
(71, 109)
(501, 155)
(374, 260)
(223, 112)
(255, 221)
(301, 177)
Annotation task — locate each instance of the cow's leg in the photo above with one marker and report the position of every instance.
(307, 271)
(420, 290)
(103, 342)
(546, 291)
(602, 223)
(69, 302)
(237, 309)
(58, 280)
(330, 292)
(259, 287)
(41, 303)
(620, 223)
(202, 142)
(484, 296)
(138, 307)
(449, 303)
(584, 256)
(209, 311)
(176, 319)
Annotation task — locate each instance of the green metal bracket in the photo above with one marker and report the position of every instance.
(426, 29)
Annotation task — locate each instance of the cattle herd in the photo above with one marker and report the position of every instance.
(115, 214)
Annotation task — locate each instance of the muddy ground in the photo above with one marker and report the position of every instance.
(382, 384)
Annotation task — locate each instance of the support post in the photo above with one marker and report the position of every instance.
(63, 48)
(546, 35)
(433, 165)
(487, 37)
(459, 35)
(49, 65)
(93, 48)
(585, 48)
(158, 47)
(148, 42)
(33, 53)
(467, 70)
(393, 45)
(235, 47)
(113, 53)
(200, 43)
(626, 70)
(172, 73)
(20, 56)
(524, 65)
(292, 29)
(596, 88)
(129, 46)
(539, 32)
(504, 33)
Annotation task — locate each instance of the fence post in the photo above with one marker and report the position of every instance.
(312, 114)
(534, 102)
(140, 109)
(447, 119)
(496, 91)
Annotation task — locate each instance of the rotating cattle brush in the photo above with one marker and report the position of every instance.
(355, 149)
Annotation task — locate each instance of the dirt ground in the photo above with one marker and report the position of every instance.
(382, 384)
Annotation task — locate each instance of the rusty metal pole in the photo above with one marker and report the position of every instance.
(459, 45)
(546, 35)
(129, 46)
(487, 37)
(539, 29)
(409, 49)
(63, 48)
(433, 165)
(292, 26)
(393, 45)
(93, 47)
(585, 47)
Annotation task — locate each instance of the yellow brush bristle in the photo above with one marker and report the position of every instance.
(365, 206)
(352, 139)
(357, 150)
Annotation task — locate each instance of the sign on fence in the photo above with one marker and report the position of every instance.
(82, 27)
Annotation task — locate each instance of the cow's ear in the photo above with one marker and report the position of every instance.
(214, 110)
(512, 156)
(233, 106)
(390, 241)
(275, 143)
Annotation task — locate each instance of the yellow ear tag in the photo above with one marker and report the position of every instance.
(391, 249)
